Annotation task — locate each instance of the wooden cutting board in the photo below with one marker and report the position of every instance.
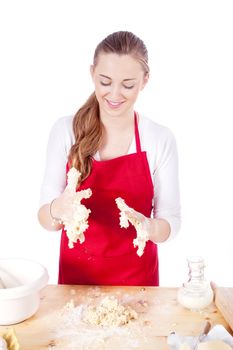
(158, 314)
(224, 302)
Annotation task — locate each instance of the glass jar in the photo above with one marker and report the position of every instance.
(196, 293)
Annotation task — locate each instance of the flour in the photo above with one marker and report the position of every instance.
(99, 321)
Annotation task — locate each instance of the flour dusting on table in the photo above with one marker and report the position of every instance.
(100, 322)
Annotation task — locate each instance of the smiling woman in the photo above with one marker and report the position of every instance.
(118, 153)
(117, 90)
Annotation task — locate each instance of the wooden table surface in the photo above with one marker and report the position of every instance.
(158, 315)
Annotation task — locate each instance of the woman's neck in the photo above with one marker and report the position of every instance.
(117, 123)
(118, 136)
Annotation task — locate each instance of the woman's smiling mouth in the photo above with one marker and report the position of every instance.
(114, 104)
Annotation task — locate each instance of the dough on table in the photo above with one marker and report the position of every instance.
(109, 312)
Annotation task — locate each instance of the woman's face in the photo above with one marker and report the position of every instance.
(118, 79)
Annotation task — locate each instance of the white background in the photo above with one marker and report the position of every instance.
(46, 49)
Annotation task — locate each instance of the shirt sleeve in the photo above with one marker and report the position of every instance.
(58, 147)
(160, 145)
(166, 182)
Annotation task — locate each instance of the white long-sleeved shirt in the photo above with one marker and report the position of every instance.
(160, 146)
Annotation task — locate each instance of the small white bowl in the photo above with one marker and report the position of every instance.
(21, 282)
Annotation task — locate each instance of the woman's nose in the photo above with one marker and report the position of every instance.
(115, 92)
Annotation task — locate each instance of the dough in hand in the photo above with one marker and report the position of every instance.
(127, 215)
(76, 224)
(214, 345)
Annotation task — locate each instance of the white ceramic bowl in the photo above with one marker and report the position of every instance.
(20, 283)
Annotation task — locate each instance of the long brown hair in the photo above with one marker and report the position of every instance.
(87, 126)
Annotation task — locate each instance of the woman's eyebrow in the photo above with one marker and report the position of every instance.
(105, 76)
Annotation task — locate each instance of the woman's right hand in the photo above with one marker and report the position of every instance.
(65, 208)
(72, 214)
(61, 208)
(52, 215)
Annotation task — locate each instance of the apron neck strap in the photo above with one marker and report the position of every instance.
(137, 137)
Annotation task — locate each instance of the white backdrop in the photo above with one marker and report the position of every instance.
(46, 50)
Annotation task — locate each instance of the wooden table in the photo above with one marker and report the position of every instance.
(158, 315)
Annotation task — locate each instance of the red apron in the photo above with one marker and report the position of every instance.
(107, 256)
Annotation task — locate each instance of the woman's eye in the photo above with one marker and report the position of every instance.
(108, 84)
(128, 87)
(105, 84)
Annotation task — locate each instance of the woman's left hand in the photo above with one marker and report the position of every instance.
(138, 220)
(156, 230)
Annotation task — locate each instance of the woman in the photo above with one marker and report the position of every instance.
(119, 154)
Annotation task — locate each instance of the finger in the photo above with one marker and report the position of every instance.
(73, 176)
(130, 214)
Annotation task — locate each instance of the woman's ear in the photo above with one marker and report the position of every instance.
(92, 70)
(145, 81)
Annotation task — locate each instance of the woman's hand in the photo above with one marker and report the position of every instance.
(138, 220)
(62, 207)
(156, 230)
(69, 211)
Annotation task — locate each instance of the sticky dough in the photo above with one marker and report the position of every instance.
(110, 312)
(77, 225)
(142, 235)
